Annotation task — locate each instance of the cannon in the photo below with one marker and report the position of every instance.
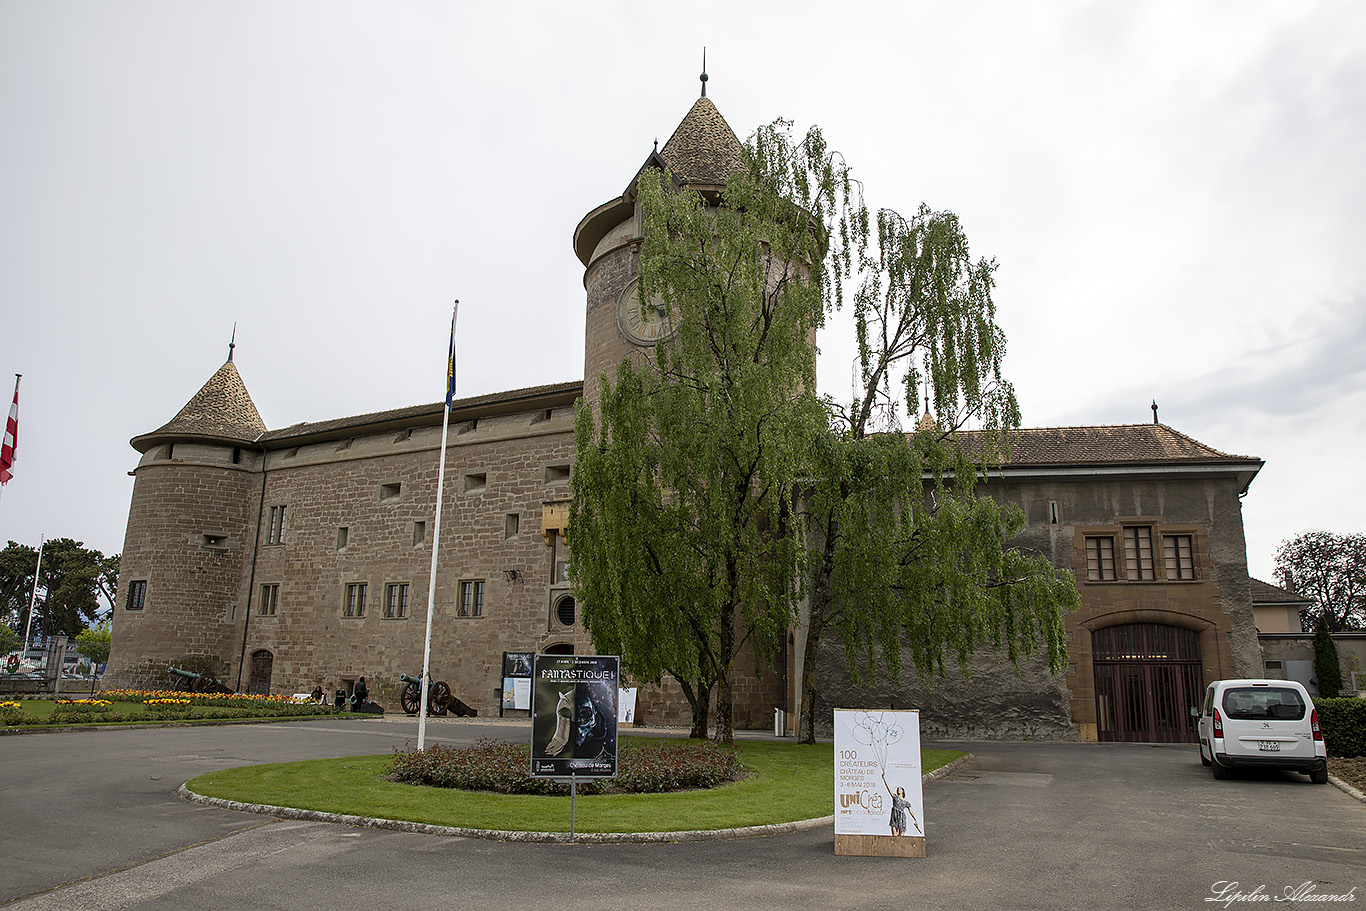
(190, 682)
(439, 699)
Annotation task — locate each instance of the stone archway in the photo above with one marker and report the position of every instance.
(262, 662)
(1147, 676)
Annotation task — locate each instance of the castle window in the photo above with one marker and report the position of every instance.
(275, 532)
(354, 605)
(471, 599)
(396, 601)
(390, 492)
(475, 483)
(1100, 559)
(343, 535)
(270, 600)
(236, 455)
(511, 522)
(212, 540)
(137, 594)
(467, 427)
(419, 533)
(1178, 556)
(1052, 512)
(1138, 553)
(554, 474)
(564, 611)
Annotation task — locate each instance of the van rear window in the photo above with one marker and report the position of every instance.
(1263, 703)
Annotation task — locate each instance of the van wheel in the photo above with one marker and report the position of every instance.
(1203, 761)
(1319, 776)
(1219, 772)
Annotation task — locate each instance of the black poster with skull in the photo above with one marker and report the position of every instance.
(574, 716)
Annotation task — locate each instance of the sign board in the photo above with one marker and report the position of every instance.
(626, 705)
(879, 802)
(517, 679)
(574, 716)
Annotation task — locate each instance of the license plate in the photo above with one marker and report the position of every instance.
(1269, 746)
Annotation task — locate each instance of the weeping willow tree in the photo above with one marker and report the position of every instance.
(906, 555)
(715, 493)
(685, 548)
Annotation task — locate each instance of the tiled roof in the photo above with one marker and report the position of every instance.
(415, 414)
(221, 409)
(1266, 593)
(1121, 444)
(703, 149)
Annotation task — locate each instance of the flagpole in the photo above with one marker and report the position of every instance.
(33, 598)
(436, 539)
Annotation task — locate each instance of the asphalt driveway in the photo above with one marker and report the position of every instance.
(90, 820)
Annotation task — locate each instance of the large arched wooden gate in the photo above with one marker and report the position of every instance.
(1147, 677)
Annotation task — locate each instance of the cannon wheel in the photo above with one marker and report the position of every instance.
(436, 705)
(411, 700)
(184, 685)
(203, 685)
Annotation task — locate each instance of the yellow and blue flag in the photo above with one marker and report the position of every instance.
(450, 361)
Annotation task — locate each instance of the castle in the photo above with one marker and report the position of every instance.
(279, 560)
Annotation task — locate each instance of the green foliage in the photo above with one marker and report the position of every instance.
(9, 639)
(72, 582)
(93, 642)
(494, 765)
(1326, 666)
(683, 544)
(1330, 569)
(1343, 722)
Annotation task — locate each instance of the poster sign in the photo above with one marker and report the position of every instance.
(877, 780)
(574, 716)
(517, 679)
(626, 705)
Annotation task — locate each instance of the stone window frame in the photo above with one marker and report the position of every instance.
(390, 610)
(1100, 558)
(469, 600)
(136, 596)
(275, 526)
(1156, 570)
(269, 604)
(1176, 536)
(353, 607)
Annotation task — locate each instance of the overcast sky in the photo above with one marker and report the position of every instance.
(1174, 193)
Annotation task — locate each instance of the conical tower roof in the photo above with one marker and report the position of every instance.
(703, 149)
(221, 411)
(703, 153)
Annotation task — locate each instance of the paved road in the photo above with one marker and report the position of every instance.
(90, 821)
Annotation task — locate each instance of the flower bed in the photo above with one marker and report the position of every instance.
(116, 706)
(493, 765)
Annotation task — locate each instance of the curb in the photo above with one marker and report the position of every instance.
(1345, 787)
(600, 838)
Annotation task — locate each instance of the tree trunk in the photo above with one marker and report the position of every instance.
(817, 618)
(725, 680)
(699, 701)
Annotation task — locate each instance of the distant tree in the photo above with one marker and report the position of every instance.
(9, 639)
(93, 642)
(71, 583)
(1329, 569)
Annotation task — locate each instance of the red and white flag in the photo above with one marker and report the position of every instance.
(11, 437)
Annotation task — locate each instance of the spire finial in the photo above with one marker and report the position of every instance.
(232, 343)
(703, 77)
(1154, 407)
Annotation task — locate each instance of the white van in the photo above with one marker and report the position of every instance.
(1267, 723)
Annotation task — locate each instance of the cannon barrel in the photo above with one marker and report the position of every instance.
(188, 675)
(409, 678)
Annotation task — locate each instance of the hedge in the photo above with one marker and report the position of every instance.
(1343, 722)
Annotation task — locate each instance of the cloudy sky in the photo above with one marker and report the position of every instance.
(1173, 192)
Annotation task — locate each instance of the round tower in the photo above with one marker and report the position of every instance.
(701, 154)
(182, 587)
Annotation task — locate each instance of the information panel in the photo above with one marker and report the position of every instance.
(574, 716)
(517, 679)
(877, 782)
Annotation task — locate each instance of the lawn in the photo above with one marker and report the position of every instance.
(790, 782)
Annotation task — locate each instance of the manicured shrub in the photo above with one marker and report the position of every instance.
(493, 765)
(1343, 722)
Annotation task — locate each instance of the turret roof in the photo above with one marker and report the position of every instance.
(221, 410)
(703, 149)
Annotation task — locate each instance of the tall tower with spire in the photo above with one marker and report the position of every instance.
(191, 526)
(702, 154)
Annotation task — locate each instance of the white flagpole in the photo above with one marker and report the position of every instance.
(33, 598)
(436, 540)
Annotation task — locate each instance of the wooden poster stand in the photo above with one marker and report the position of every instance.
(880, 845)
